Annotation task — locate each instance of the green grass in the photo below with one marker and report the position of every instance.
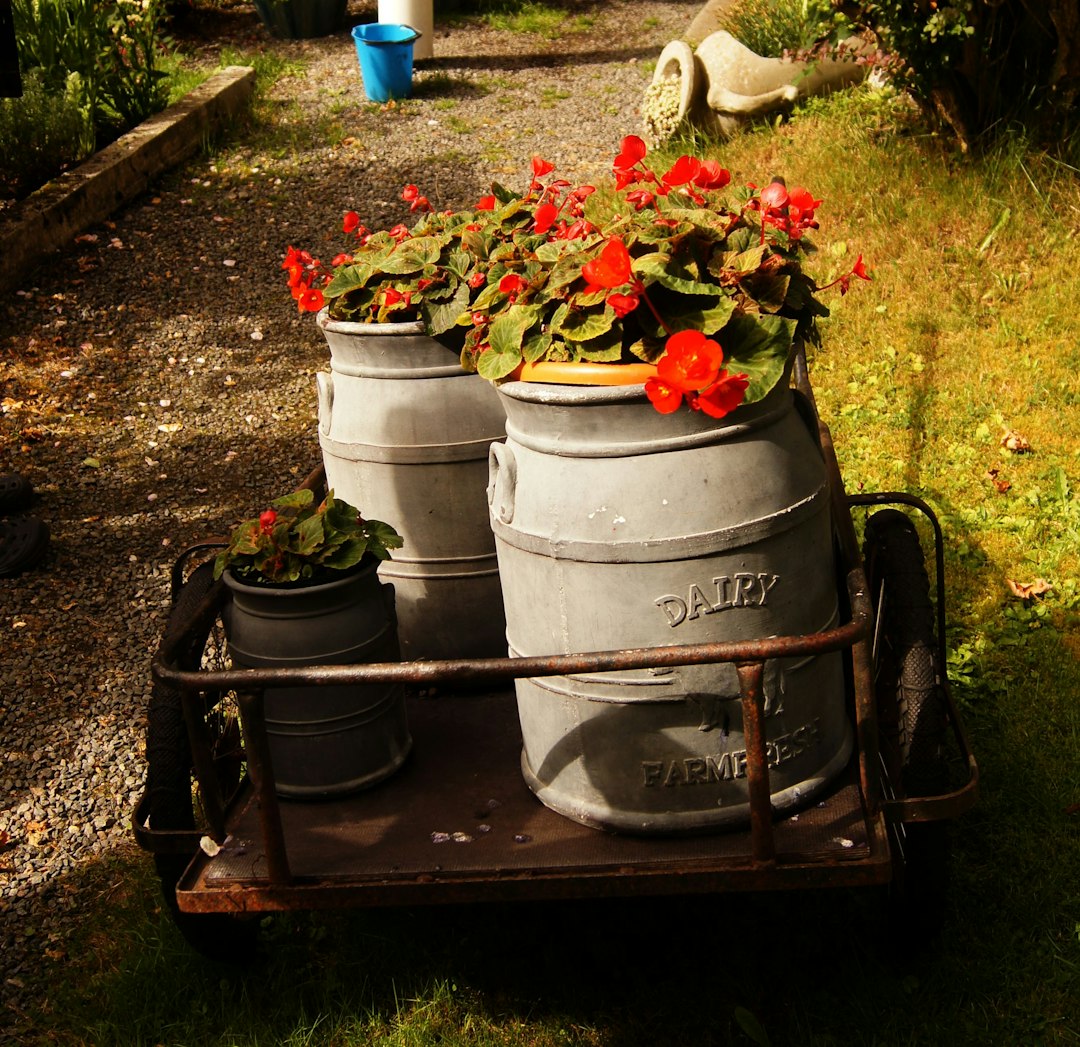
(534, 17)
(968, 329)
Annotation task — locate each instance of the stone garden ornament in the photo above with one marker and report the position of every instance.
(724, 84)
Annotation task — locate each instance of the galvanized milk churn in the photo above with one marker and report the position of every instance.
(618, 527)
(324, 741)
(405, 434)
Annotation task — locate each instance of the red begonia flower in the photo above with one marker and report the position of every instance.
(684, 170)
(611, 268)
(399, 232)
(623, 303)
(541, 166)
(352, 221)
(859, 269)
(577, 230)
(723, 396)
(712, 176)
(544, 216)
(633, 150)
(663, 397)
(774, 196)
(310, 301)
(690, 361)
(410, 192)
(267, 521)
(477, 280)
(341, 259)
(640, 198)
(485, 203)
(512, 284)
(804, 200)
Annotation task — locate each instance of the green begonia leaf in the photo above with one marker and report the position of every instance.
(759, 347)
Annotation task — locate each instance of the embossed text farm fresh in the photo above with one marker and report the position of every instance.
(742, 589)
(729, 766)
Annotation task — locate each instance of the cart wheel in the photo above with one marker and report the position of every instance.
(171, 788)
(911, 713)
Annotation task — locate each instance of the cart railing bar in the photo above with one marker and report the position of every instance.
(762, 842)
(485, 670)
(748, 657)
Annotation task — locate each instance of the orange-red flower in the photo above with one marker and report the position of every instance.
(310, 300)
(691, 369)
(544, 217)
(723, 396)
(512, 285)
(633, 149)
(690, 361)
(665, 398)
(684, 170)
(623, 303)
(611, 268)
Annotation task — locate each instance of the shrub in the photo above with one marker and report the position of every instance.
(53, 130)
(87, 61)
(981, 65)
(773, 27)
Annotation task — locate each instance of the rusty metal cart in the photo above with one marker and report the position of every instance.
(458, 824)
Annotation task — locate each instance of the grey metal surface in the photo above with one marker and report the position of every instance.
(405, 434)
(614, 529)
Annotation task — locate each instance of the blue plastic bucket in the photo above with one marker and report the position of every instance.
(386, 59)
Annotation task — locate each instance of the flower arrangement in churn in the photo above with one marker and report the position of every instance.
(298, 541)
(673, 269)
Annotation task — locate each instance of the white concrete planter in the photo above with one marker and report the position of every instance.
(723, 84)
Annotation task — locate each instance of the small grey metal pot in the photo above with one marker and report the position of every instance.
(324, 741)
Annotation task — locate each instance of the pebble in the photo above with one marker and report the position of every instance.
(158, 394)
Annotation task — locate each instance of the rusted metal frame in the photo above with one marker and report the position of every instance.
(261, 773)
(762, 841)
(487, 670)
(627, 881)
(161, 841)
(749, 658)
(956, 802)
(195, 706)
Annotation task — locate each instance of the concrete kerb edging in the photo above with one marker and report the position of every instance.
(59, 211)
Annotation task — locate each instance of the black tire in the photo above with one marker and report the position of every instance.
(171, 788)
(911, 715)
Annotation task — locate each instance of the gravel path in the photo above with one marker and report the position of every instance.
(156, 384)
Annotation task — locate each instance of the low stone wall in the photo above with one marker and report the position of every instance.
(59, 211)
